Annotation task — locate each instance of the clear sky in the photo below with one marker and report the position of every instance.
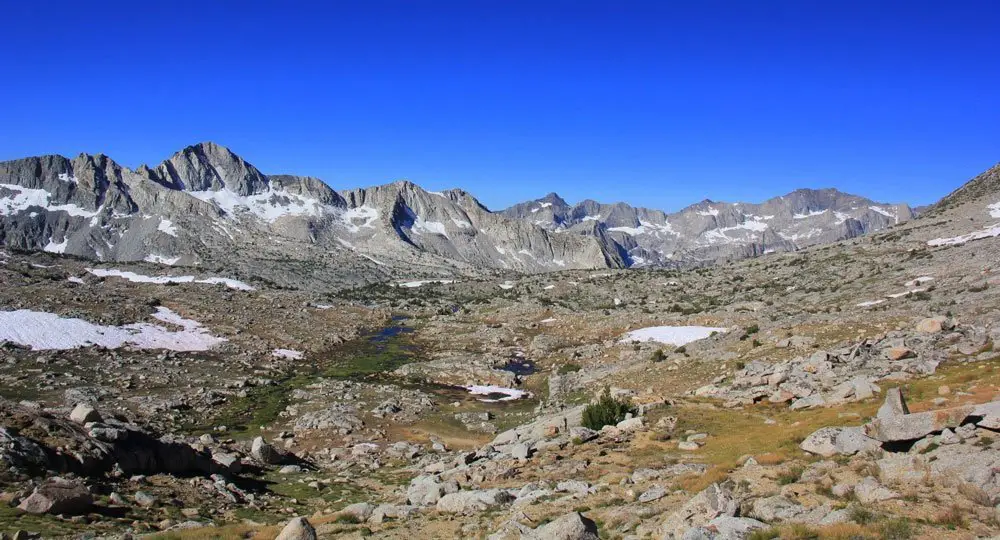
(659, 103)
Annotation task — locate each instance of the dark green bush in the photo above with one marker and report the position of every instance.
(608, 411)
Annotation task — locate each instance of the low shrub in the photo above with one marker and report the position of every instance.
(608, 411)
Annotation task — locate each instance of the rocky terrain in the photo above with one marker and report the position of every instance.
(842, 390)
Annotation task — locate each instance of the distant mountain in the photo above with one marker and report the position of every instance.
(710, 231)
(206, 205)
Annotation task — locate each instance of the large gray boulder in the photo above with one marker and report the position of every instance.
(910, 427)
(725, 528)
(297, 529)
(894, 405)
(714, 501)
(831, 441)
(473, 502)
(572, 526)
(426, 490)
(58, 496)
(264, 452)
(84, 413)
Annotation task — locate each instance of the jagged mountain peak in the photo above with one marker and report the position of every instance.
(554, 199)
(208, 166)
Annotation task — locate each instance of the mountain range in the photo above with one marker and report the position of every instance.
(206, 205)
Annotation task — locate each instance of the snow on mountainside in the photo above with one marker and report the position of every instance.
(710, 231)
(206, 203)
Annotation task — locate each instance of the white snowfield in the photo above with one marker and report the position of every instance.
(905, 293)
(485, 390)
(25, 198)
(269, 205)
(287, 353)
(671, 335)
(421, 283)
(989, 231)
(162, 280)
(45, 331)
(160, 259)
(870, 303)
(994, 210)
(918, 281)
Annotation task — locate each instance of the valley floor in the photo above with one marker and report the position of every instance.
(222, 407)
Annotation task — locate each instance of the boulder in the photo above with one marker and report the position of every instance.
(717, 500)
(725, 528)
(58, 496)
(869, 490)
(653, 494)
(520, 451)
(84, 413)
(582, 434)
(899, 353)
(572, 526)
(933, 325)
(297, 529)
(264, 452)
(808, 402)
(361, 511)
(988, 415)
(776, 508)
(473, 502)
(426, 490)
(831, 441)
(894, 404)
(910, 427)
(631, 424)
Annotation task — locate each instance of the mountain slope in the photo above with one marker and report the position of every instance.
(207, 204)
(710, 231)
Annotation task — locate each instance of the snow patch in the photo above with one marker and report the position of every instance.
(167, 227)
(918, 281)
(433, 227)
(902, 294)
(883, 211)
(46, 331)
(74, 279)
(162, 280)
(53, 247)
(366, 214)
(160, 259)
(287, 353)
(486, 390)
(671, 335)
(507, 285)
(989, 231)
(269, 205)
(421, 283)
(25, 198)
(994, 210)
(809, 214)
(870, 303)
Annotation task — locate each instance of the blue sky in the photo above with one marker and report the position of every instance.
(657, 103)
